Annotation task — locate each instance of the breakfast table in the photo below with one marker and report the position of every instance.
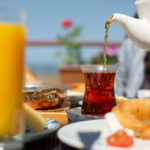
(69, 117)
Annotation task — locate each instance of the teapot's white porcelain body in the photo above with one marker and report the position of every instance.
(138, 30)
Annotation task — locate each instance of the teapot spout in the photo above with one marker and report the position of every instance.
(138, 30)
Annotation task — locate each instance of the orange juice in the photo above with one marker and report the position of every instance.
(12, 42)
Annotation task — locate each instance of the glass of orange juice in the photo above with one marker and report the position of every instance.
(12, 45)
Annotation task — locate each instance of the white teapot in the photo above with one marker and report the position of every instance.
(138, 30)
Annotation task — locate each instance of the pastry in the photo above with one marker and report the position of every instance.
(135, 114)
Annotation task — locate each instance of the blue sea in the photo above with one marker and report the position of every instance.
(43, 59)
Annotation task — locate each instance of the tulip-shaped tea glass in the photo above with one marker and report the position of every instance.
(12, 43)
(99, 95)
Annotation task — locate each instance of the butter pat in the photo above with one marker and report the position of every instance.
(33, 119)
(115, 125)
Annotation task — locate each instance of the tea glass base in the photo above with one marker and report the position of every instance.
(90, 114)
(12, 143)
(93, 114)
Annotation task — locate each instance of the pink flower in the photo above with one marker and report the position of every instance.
(111, 50)
(66, 23)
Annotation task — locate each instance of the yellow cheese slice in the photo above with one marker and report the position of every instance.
(33, 119)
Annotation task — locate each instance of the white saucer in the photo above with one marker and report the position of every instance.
(75, 115)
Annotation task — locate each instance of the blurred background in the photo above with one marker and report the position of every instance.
(45, 27)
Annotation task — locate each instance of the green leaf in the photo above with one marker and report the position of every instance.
(68, 59)
(73, 48)
(58, 53)
(75, 32)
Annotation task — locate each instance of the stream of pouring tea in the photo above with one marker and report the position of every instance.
(107, 25)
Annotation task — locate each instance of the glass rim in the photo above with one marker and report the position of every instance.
(98, 65)
(18, 12)
(99, 68)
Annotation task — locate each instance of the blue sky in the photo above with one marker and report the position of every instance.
(45, 16)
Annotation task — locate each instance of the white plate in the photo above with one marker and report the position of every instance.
(74, 97)
(80, 102)
(74, 93)
(52, 125)
(69, 135)
(31, 84)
